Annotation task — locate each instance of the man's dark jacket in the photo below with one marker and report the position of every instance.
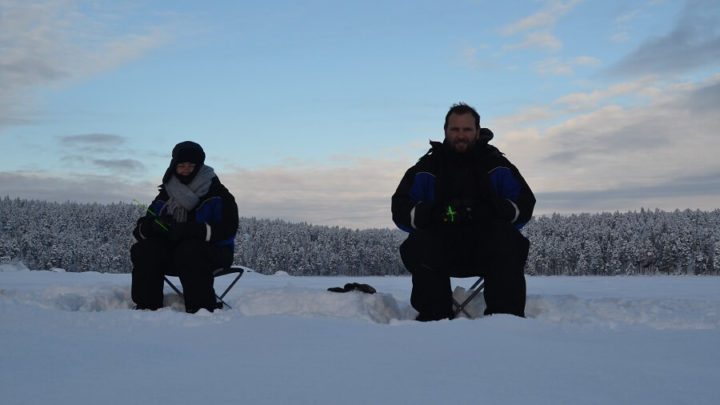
(482, 177)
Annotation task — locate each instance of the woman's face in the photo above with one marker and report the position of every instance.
(185, 168)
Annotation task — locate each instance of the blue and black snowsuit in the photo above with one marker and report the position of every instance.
(463, 212)
(192, 259)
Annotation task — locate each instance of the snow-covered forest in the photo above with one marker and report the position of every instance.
(95, 237)
(644, 242)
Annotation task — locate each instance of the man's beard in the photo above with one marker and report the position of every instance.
(463, 145)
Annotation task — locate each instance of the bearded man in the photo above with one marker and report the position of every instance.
(463, 204)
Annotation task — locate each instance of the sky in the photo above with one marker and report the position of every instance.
(312, 111)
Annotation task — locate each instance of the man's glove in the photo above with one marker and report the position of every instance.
(454, 215)
(457, 212)
(187, 230)
(460, 212)
(428, 214)
(505, 209)
(423, 215)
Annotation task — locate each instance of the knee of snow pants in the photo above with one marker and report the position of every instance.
(194, 261)
(150, 259)
(505, 288)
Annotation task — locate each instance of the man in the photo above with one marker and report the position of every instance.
(188, 231)
(463, 204)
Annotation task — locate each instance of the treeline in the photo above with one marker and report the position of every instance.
(71, 236)
(633, 243)
(95, 237)
(303, 249)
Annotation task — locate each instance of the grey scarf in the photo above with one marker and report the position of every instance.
(184, 198)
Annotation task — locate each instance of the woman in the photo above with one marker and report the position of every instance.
(188, 231)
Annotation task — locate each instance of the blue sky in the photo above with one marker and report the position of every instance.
(312, 111)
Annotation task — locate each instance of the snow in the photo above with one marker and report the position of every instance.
(71, 338)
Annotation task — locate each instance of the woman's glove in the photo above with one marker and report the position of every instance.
(151, 226)
(187, 230)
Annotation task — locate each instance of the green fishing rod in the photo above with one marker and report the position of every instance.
(157, 221)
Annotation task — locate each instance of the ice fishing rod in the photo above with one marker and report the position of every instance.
(450, 215)
(157, 221)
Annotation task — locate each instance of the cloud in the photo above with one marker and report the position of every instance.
(567, 106)
(93, 138)
(45, 43)
(470, 56)
(355, 194)
(695, 192)
(653, 154)
(543, 19)
(627, 16)
(557, 66)
(84, 140)
(585, 61)
(541, 39)
(81, 187)
(643, 88)
(101, 150)
(621, 36)
(707, 98)
(537, 27)
(128, 165)
(693, 43)
(622, 23)
(525, 116)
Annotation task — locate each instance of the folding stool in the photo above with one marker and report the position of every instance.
(217, 273)
(475, 289)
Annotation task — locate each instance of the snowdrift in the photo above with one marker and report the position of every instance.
(281, 294)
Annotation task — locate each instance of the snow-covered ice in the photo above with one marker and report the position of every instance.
(71, 338)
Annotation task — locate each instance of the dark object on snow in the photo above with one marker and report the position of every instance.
(353, 286)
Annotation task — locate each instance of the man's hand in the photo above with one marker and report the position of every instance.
(506, 209)
(455, 213)
(422, 215)
(465, 212)
(427, 214)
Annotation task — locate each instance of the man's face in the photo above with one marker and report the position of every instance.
(461, 132)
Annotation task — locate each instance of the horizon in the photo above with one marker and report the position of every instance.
(391, 228)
